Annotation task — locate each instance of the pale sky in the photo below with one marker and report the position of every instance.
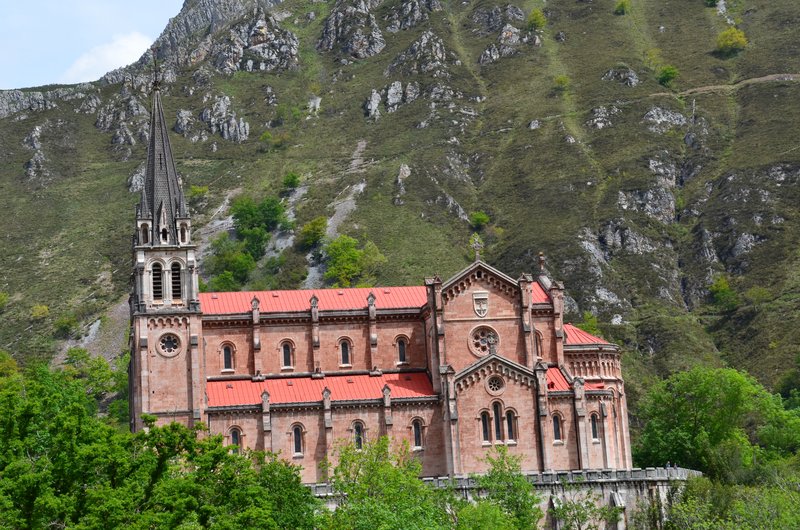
(68, 41)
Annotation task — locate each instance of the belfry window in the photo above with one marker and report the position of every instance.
(227, 357)
(176, 281)
(498, 422)
(485, 427)
(145, 235)
(158, 282)
(183, 233)
(164, 235)
(556, 429)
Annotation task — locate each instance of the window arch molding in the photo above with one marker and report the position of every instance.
(510, 417)
(344, 345)
(297, 435)
(286, 352)
(557, 424)
(594, 426)
(401, 343)
(359, 433)
(227, 350)
(485, 426)
(235, 438)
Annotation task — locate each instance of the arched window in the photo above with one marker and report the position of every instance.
(158, 282)
(227, 357)
(145, 235)
(344, 349)
(297, 439)
(164, 235)
(286, 355)
(416, 426)
(556, 428)
(176, 281)
(236, 439)
(510, 426)
(485, 428)
(401, 350)
(358, 434)
(498, 421)
(183, 233)
(594, 427)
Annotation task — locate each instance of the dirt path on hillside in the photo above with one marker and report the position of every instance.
(733, 86)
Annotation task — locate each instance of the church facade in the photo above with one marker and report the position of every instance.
(453, 366)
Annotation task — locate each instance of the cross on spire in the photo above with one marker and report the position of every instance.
(477, 246)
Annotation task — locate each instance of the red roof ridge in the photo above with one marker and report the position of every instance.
(576, 335)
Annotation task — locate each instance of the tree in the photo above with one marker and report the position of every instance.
(348, 264)
(478, 220)
(583, 510)
(291, 180)
(561, 84)
(228, 255)
(312, 233)
(380, 488)
(731, 41)
(507, 488)
(590, 324)
(722, 295)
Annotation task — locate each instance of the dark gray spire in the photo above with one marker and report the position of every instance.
(162, 197)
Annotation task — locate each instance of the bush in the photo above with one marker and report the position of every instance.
(711, 3)
(229, 255)
(348, 264)
(536, 20)
(291, 181)
(561, 83)
(223, 283)
(197, 194)
(757, 295)
(731, 41)
(623, 7)
(667, 74)
(722, 295)
(66, 326)
(4, 298)
(478, 220)
(312, 232)
(40, 312)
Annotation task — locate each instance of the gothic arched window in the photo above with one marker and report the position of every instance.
(227, 357)
(401, 350)
(498, 421)
(344, 350)
(485, 427)
(236, 439)
(158, 282)
(183, 233)
(145, 234)
(510, 430)
(176, 281)
(594, 427)
(416, 426)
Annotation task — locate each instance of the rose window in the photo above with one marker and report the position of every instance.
(495, 384)
(483, 341)
(169, 344)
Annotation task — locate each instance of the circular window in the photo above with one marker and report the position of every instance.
(483, 340)
(495, 385)
(169, 344)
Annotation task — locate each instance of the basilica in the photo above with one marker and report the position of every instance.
(452, 366)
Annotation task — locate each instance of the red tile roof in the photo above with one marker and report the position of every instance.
(556, 380)
(306, 389)
(576, 336)
(538, 295)
(299, 300)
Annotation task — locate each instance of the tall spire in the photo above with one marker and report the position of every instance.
(162, 198)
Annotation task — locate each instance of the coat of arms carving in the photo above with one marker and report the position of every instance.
(480, 302)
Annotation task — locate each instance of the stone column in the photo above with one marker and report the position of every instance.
(314, 301)
(373, 331)
(580, 422)
(543, 417)
(387, 409)
(255, 303)
(266, 421)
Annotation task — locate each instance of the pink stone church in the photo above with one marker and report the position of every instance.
(454, 367)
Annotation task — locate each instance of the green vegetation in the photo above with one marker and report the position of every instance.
(4, 298)
(536, 20)
(40, 312)
(478, 220)
(584, 510)
(350, 263)
(561, 84)
(590, 324)
(667, 74)
(723, 296)
(623, 7)
(291, 180)
(312, 233)
(508, 489)
(731, 41)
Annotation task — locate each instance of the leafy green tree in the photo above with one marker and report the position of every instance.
(623, 7)
(291, 180)
(478, 220)
(731, 41)
(8, 366)
(94, 370)
(507, 487)
(313, 232)
(483, 515)
(230, 255)
(581, 509)
(722, 295)
(66, 326)
(590, 324)
(561, 84)
(223, 283)
(380, 488)
(348, 264)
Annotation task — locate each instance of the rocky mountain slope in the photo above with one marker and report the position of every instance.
(404, 116)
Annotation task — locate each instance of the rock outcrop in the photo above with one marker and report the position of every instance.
(351, 29)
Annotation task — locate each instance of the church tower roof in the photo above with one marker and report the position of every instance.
(162, 198)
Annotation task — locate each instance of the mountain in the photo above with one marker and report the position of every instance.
(402, 118)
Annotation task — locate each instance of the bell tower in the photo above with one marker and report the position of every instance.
(165, 378)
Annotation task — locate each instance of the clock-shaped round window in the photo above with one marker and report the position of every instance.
(495, 385)
(169, 345)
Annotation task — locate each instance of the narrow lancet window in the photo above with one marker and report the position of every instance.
(510, 426)
(158, 282)
(176, 281)
(556, 428)
(485, 426)
(498, 422)
(417, 426)
(401, 350)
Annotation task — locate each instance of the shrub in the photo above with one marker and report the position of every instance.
(722, 295)
(757, 295)
(478, 219)
(312, 232)
(667, 74)
(4, 298)
(224, 282)
(291, 180)
(536, 20)
(197, 193)
(731, 41)
(39, 312)
(66, 326)
(623, 7)
(561, 83)
(348, 264)
(711, 3)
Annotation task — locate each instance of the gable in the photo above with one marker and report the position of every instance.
(491, 365)
(480, 292)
